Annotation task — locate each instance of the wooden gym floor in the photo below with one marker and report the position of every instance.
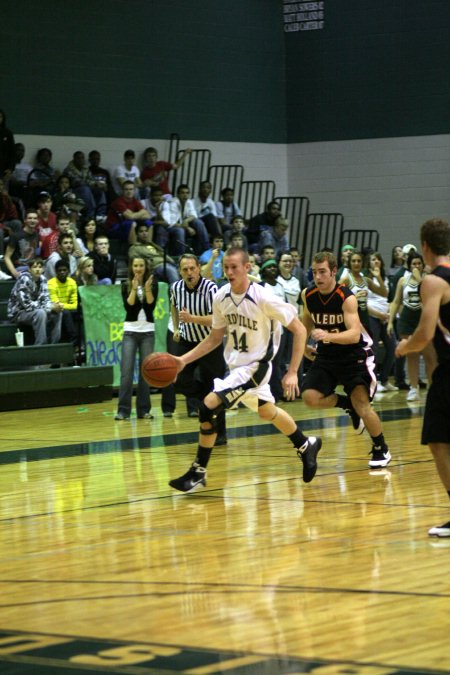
(103, 568)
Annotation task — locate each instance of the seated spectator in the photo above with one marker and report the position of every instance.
(23, 245)
(259, 223)
(276, 236)
(46, 217)
(163, 267)
(44, 175)
(184, 217)
(19, 178)
(158, 206)
(85, 275)
(155, 172)
(105, 266)
(123, 212)
(254, 270)
(127, 173)
(237, 225)
(85, 186)
(49, 244)
(63, 188)
(206, 209)
(86, 239)
(63, 290)
(9, 218)
(211, 261)
(345, 255)
(227, 209)
(269, 279)
(101, 176)
(30, 304)
(237, 240)
(292, 292)
(63, 252)
(297, 269)
(267, 253)
(290, 283)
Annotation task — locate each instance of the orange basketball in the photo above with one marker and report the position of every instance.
(159, 369)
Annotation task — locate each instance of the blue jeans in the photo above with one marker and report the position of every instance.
(133, 342)
(41, 322)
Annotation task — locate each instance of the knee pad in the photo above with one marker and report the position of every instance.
(205, 414)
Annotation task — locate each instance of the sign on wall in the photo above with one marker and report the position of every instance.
(302, 16)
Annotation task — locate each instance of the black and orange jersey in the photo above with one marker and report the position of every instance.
(327, 313)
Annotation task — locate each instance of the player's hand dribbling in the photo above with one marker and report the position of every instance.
(180, 363)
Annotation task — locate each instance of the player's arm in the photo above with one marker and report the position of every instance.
(352, 333)
(431, 292)
(310, 352)
(290, 379)
(213, 340)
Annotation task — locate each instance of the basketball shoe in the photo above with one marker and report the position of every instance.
(440, 530)
(308, 454)
(380, 457)
(194, 479)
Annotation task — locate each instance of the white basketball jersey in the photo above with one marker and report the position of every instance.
(253, 321)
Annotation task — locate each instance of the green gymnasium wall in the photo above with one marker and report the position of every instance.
(225, 71)
(377, 68)
(206, 69)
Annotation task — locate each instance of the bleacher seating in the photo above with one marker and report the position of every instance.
(27, 379)
(360, 239)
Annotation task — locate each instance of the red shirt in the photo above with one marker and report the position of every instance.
(158, 172)
(120, 205)
(49, 244)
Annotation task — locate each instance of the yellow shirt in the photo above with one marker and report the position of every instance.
(67, 292)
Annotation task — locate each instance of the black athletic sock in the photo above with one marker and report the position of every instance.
(203, 455)
(343, 402)
(448, 492)
(379, 441)
(297, 438)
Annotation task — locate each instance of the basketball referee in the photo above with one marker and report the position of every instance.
(191, 309)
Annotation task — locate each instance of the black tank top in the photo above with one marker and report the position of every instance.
(441, 338)
(327, 313)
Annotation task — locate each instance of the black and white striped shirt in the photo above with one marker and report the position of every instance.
(196, 301)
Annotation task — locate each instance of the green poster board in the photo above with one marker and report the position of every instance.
(103, 316)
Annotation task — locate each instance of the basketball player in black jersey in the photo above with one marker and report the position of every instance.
(435, 325)
(343, 355)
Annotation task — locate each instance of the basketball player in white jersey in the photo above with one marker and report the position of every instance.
(250, 317)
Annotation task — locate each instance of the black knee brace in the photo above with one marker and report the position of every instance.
(205, 414)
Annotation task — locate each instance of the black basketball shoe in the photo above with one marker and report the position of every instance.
(308, 454)
(193, 480)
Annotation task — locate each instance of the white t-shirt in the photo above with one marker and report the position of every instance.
(127, 174)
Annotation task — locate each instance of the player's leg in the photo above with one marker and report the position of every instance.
(318, 392)
(195, 477)
(361, 403)
(307, 447)
(441, 455)
(436, 433)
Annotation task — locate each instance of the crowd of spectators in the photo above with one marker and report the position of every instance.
(73, 215)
